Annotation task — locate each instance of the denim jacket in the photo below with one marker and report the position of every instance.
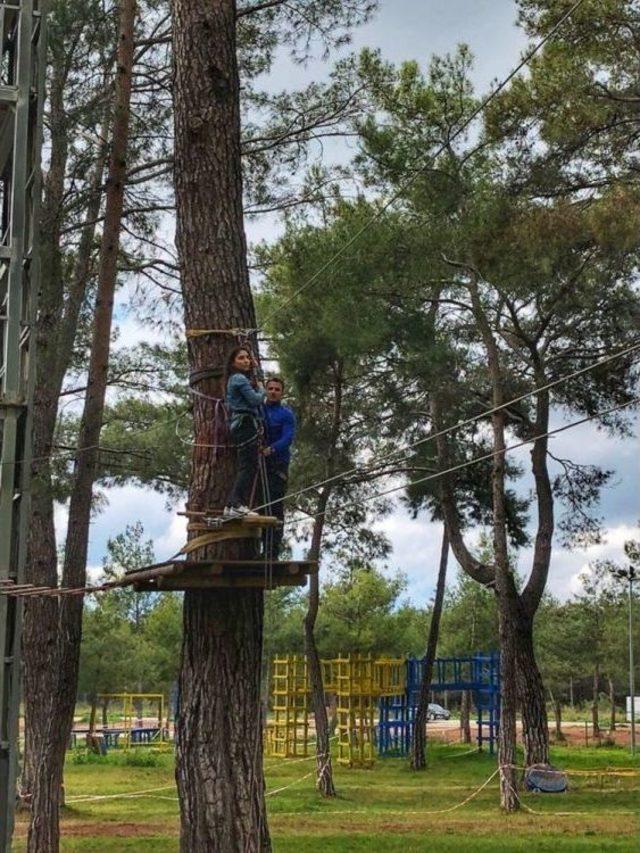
(242, 398)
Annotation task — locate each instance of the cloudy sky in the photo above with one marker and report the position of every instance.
(413, 29)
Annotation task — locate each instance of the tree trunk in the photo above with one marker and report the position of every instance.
(332, 711)
(557, 706)
(506, 592)
(612, 701)
(508, 694)
(92, 714)
(465, 722)
(594, 705)
(218, 722)
(40, 615)
(535, 725)
(56, 334)
(105, 714)
(571, 699)
(557, 713)
(418, 758)
(324, 769)
(44, 829)
(219, 726)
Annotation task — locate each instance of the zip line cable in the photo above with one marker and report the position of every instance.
(398, 454)
(477, 111)
(492, 454)
(460, 424)
(394, 197)
(412, 178)
(25, 590)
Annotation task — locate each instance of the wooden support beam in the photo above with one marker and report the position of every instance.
(195, 574)
(239, 581)
(245, 521)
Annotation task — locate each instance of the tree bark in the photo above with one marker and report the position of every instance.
(218, 722)
(508, 704)
(44, 832)
(418, 757)
(594, 704)
(531, 695)
(324, 769)
(506, 594)
(505, 588)
(465, 722)
(557, 713)
(92, 714)
(57, 324)
(40, 615)
(612, 701)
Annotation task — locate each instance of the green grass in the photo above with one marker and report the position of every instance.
(388, 808)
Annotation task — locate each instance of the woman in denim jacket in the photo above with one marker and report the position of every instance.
(244, 400)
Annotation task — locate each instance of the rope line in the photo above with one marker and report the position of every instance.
(85, 798)
(5, 586)
(199, 333)
(492, 454)
(398, 454)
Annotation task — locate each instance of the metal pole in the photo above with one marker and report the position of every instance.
(632, 684)
(22, 71)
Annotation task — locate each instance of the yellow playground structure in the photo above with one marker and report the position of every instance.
(356, 681)
(133, 728)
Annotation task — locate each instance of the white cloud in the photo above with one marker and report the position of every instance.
(131, 333)
(567, 566)
(172, 540)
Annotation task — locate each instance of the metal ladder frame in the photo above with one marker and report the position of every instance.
(22, 76)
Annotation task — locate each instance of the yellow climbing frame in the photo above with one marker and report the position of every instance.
(129, 702)
(358, 682)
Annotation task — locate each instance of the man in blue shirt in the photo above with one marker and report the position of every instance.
(280, 430)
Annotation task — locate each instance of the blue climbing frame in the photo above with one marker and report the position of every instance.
(479, 673)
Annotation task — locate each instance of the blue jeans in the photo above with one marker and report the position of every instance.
(244, 434)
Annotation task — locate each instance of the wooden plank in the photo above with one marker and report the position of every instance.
(224, 533)
(245, 521)
(261, 562)
(228, 581)
(222, 569)
(194, 574)
(171, 567)
(230, 531)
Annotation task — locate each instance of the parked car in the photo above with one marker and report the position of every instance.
(437, 712)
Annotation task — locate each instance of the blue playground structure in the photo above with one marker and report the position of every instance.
(479, 673)
(110, 738)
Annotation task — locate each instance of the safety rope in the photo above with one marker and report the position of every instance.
(269, 531)
(478, 459)
(435, 475)
(397, 455)
(233, 332)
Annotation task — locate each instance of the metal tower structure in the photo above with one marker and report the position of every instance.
(22, 73)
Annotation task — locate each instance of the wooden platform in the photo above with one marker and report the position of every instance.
(208, 574)
(214, 528)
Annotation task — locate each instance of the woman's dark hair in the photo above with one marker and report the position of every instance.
(229, 369)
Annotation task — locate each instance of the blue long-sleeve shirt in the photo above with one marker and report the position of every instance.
(242, 398)
(280, 425)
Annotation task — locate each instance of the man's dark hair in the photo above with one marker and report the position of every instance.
(277, 379)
